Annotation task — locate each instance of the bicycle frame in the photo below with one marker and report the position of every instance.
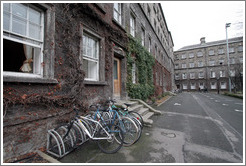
(92, 136)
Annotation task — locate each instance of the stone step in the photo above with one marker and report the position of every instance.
(143, 111)
(135, 108)
(148, 122)
(121, 103)
(147, 116)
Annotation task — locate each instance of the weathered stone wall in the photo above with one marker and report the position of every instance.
(162, 63)
(32, 108)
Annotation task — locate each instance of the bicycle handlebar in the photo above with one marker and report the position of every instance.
(111, 100)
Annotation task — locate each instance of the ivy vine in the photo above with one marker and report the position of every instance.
(144, 62)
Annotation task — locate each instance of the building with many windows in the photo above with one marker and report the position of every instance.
(205, 66)
(59, 55)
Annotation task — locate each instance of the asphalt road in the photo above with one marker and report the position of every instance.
(212, 125)
(193, 128)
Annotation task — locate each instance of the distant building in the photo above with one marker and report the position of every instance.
(205, 66)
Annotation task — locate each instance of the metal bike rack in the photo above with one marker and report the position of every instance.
(59, 146)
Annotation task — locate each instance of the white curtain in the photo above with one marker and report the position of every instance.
(26, 67)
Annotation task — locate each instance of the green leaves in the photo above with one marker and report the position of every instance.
(144, 61)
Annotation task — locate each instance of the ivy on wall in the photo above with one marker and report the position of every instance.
(144, 61)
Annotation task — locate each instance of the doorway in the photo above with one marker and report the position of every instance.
(117, 78)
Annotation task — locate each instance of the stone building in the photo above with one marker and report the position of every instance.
(64, 54)
(149, 25)
(205, 65)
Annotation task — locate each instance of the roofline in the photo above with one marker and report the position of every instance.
(165, 22)
(204, 46)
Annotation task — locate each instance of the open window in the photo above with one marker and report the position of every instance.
(23, 43)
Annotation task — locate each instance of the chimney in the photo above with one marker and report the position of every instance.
(202, 40)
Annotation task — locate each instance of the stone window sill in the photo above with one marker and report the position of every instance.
(30, 80)
(100, 83)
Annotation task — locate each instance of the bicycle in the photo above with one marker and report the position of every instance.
(109, 138)
(110, 116)
(137, 118)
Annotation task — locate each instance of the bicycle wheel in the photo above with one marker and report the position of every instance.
(130, 130)
(138, 116)
(110, 145)
(138, 123)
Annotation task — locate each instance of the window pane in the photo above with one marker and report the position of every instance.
(90, 68)
(6, 7)
(34, 31)
(115, 70)
(115, 15)
(6, 21)
(116, 6)
(34, 16)
(19, 26)
(19, 10)
(18, 57)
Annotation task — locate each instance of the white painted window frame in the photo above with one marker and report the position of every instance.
(37, 59)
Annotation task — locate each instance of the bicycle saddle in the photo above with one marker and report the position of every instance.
(127, 104)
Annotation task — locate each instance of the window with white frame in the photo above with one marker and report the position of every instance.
(177, 76)
(192, 64)
(191, 55)
(134, 73)
(211, 63)
(184, 76)
(149, 44)
(201, 85)
(132, 25)
(91, 57)
(199, 54)
(232, 73)
(211, 52)
(183, 56)
(240, 49)
(201, 74)
(176, 66)
(200, 64)
(213, 85)
(222, 85)
(192, 75)
(193, 85)
(212, 74)
(231, 50)
(184, 85)
(183, 65)
(142, 36)
(221, 51)
(232, 61)
(222, 73)
(23, 26)
(118, 12)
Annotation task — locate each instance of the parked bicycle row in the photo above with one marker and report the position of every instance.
(111, 128)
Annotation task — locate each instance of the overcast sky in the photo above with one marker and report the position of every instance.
(188, 21)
